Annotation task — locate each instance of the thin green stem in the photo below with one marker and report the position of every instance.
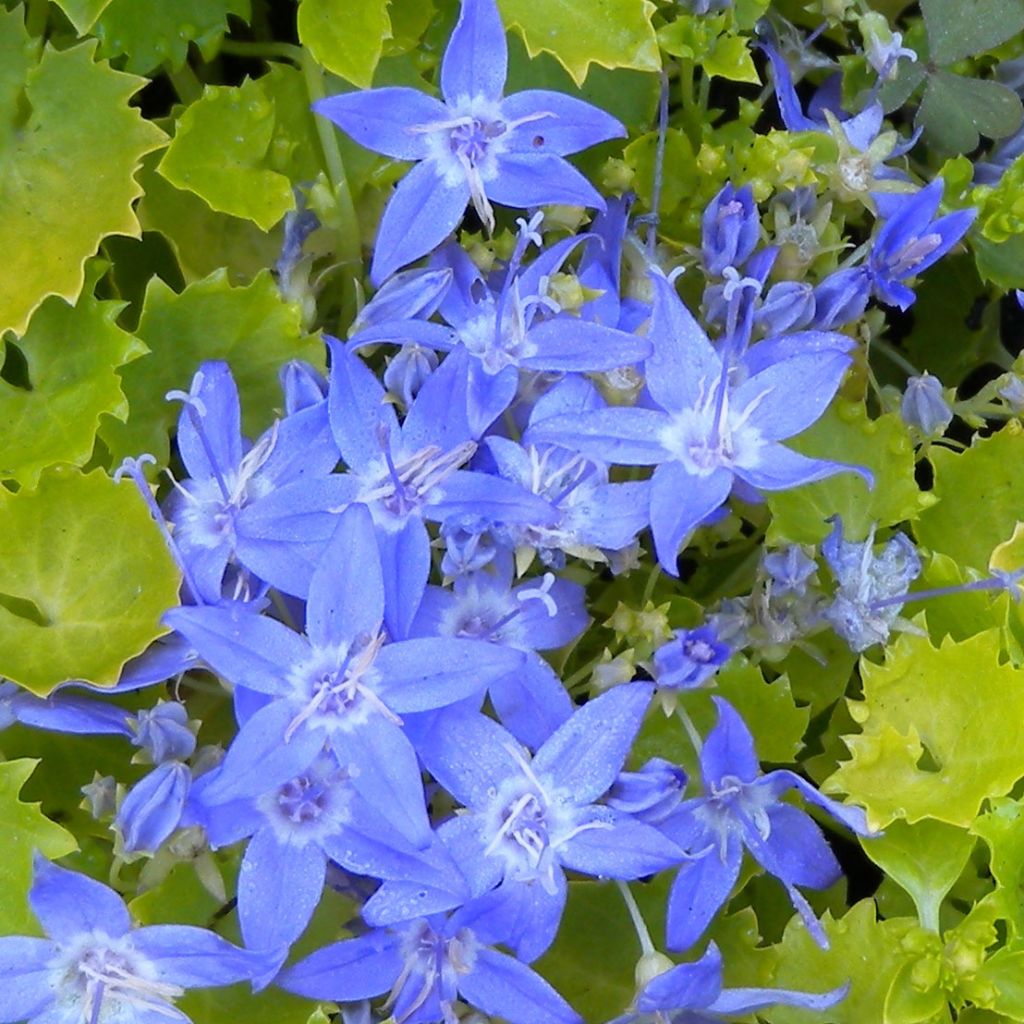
(895, 356)
(37, 18)
(640, 926)
(652, 581)
(186, 83)
(264, 50)
(691, 729)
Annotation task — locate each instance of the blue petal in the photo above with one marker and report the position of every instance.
(542, 630)
(304, 448)
(680, 502)
(405, 566)
(699, 891)
(476, 61)
(586, 754)
(470, 756)
(247, 649)
(420, 215)
(683, 362)
(626, 849)
(354, 969)
(68, 904)
(728, 750)
(221, 424)
(538, 179)
(346, 594)
(380, 119)
(531, 702)
(358, 411)
(433, 672)
(492, 498)
(461, 837)
(609, 515)
(399, 901)
(152, 810)
(26, 977)
(534, 915)
(693, 986)
(194, 957)
(572, 124)
(794, 851)
(625, 436)
(852, 817)
(438, 414)
(279, 886)
(739, 1002)
(66, 712)
(568, 343)
(502, 986)
(780, 468)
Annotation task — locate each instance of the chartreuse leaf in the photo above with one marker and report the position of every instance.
(846, 434)
(65, 127)
(1002, 828)
(220, 152)
(82, 13)
(615, 35)
(71, 354)
(25, 829)
(925, 859)
(930, 744)
(964, 28)
(251, 327)
(86, 577)
(981, 497)
(151, 32)
(345, 36)
(863, 951)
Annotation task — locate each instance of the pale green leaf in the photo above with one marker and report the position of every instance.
(82, 13)
(925, 859)
(220, 152)
(86, 577)
(980, 496)
(25, 830)
(730, 58)
(929, 744)
(251, 327)
(345, 36)
(612, 33)
(151, 32)
(80, 139)
(72, 354)
(964, 28)
(955, 110)
(1002, 828)
(846, 434)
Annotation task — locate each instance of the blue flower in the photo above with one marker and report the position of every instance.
(690, 658)
(742, 809)
(163, 732)
(693, 994)
(94, 967)
(730, 229)
(473, 146)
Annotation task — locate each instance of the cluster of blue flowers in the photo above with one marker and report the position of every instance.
(400, 734)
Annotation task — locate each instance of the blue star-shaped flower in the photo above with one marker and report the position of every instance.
(474, 145)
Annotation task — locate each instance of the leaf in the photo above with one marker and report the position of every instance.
(345, 36)
(251, 327)
(151, 32)
(612, 33)
(82, 13)
(86, 577)
(730, 59)
(862, 950)
(965, 28)
(1002, 263)
(846, 434)
(1002, 828)
(219, 152)
(925, 859)
(980, 497)
(66, 145)
(930, 745)
(72, 354)
(25, 829)
(999, 985)
(682, 177)
(955, 110)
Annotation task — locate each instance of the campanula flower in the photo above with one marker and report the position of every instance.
(690, 658)
(730, 228)
(474, 145)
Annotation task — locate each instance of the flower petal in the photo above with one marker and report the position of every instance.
(570, 124)
(476, 61)
(68, 904)
(502, 986)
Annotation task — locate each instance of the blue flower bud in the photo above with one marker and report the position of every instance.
(651, 793)
(924, 407)
(730, 229)
(303, 386)
(164, 733)
(408, 369)
(790, 570)
(408, 295)
(1012, 392)
(692, 657)
(841, 298)
(788, 306)
(152, 810)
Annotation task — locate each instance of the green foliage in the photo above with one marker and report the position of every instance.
(82, 13)
(71, 354)
(1002, 828)
(52, 139)
(963, 28)
(612, 33)
(846, 434)
(251, 327)
(345, 36)
(72, 609)
(929, 746)
(986, 476)
(25, 829)
(150, 32)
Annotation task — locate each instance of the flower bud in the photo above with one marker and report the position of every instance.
(924, 406)
(730, 229)
(152, 810)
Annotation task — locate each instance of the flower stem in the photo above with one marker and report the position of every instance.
(639, 925)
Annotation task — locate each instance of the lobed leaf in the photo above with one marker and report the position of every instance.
(345, 36)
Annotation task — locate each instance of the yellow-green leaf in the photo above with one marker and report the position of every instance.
(82, 13)
(612, 33)
(930, 745)
(84, 578)
(345, 36)
(67, 134)
(25, 829)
